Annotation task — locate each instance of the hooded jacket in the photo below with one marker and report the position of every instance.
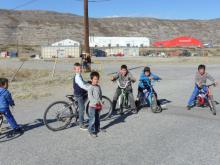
(5, 99)
(145, 80)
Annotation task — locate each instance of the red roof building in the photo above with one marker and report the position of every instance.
(183, 41)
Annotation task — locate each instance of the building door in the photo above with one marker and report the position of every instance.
(60, 53)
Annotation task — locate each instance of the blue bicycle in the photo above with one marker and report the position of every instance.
(148, 97)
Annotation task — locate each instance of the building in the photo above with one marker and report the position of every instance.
(119, 41)
(62, 49)
(183, 41)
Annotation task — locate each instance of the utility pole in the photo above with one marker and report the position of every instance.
(87, 56)
(86, 27)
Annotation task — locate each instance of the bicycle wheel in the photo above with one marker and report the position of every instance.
(154, 107)
(1, 121)
(212, 106)
(106, 111)
(58, 115)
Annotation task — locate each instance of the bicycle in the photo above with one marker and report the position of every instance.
(123, 100)
(148, 97)
(1, 121)
(204, 99)
(63, 112)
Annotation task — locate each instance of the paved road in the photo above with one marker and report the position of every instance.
(173, 137)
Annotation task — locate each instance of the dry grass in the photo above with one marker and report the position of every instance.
(33, 84)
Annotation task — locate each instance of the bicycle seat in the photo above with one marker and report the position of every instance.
(69, 96)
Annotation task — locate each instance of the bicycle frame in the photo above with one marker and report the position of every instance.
(149, 94)
(124, 94)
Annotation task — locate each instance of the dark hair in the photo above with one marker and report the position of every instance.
(77, 64)
(124, 67)
(202, 66)
(146, 69)
(3, 81)
(94, 74)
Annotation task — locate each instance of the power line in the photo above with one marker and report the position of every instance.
(24, 4)
(96, 1)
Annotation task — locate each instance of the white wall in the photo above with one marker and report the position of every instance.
(119, 41)
(59, 51)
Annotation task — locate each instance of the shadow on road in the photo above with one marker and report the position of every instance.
(118, 119)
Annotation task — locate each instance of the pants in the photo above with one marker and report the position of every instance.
(10, 118)
(130, 97)
(81, 103)
(94, 120)
(195, 93)
(140, 91)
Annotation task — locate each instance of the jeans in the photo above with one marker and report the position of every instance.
(195, 93)
(94, 120)
(81, 103)
(130, 97)
(10, 118)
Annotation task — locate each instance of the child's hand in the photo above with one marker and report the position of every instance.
(151, 78)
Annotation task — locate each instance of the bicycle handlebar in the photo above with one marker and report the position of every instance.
(123, 87)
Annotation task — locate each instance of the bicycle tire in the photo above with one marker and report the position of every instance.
(154, 106)
(103, 115)
(66, 122)
(212, 106)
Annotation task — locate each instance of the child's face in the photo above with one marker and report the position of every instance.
(77, 69)
(201, 71)
(147, 73)
(5, 86)
(95, 80)
(124, 72)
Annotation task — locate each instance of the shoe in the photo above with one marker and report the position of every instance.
(83, 127)
(93, 135)
(135, 111)
(189, 107)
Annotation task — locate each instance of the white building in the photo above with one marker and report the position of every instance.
(119, 41)
(62, 49)
(66, 42)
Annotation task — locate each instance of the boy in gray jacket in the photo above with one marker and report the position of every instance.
(124, 76)
(95, 104)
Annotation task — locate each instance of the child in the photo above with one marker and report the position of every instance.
(200, 83)
(80, 92)
(6, 101)
(95, 96)
(123, 76)
(145, 80)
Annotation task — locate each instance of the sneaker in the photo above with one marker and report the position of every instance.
(189, 107)
(135, 111)
(93, 135)
(83, 127)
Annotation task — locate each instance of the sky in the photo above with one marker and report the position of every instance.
(165, 9)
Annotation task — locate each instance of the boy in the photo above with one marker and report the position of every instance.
(80, 92)
(200, 83)
(123, 76)
(95, 96)
(145, 80)
(6, 101)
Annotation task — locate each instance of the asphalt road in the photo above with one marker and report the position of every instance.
(174, 137)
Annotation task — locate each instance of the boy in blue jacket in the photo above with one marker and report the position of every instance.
(145, 80)
(6, 101)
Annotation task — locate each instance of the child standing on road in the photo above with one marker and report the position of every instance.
(200, 83)
(80, 88)
(6, 101)
(95, 105)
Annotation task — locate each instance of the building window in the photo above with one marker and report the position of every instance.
(117, 45)
(128, 45)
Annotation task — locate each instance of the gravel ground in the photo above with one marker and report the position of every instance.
(174, 137)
